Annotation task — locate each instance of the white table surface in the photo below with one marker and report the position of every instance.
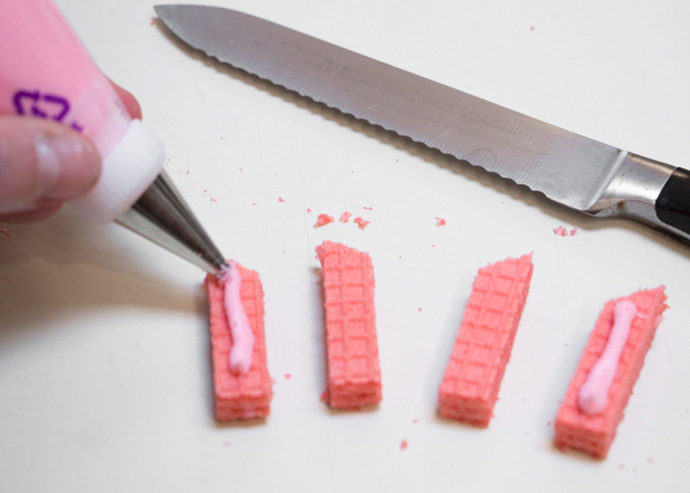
(105, 380)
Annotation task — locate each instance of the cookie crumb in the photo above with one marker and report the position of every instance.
(361, 223)
(322, 220)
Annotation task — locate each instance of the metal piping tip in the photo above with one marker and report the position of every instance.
(162, 216)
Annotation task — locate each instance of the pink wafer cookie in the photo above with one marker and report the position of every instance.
(594, 433)
(354, 376)
(239, 396)
(470, 385)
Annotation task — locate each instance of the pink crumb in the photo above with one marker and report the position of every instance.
(253, 203)
(288, 376)
(531, 28)
(345, 217)
(281, 199)
(403, 445)
(419, 309)
(241, 169)
(361, 223)
(368, 208)
(573, 232)
(415, 421)
(440, 221)
(322, 220)
(153, 21)
(560, 231)
(651, 460)
(308, 210)
(325, 396)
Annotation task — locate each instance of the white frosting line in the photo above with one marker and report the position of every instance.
(240, 359)
(594, 393)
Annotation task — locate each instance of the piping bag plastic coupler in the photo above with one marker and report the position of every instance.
(46, 72)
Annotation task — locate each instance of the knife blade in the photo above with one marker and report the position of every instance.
(573, 170)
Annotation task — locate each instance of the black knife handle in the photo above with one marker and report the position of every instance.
(673, 204)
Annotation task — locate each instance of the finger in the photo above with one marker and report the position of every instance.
(42, 160)
(42, 210)
(130, 102)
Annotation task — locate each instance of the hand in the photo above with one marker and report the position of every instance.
(43, 164)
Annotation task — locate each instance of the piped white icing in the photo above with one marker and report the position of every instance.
(240, 359)
(593, 394)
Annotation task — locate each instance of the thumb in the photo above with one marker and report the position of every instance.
(42, 164)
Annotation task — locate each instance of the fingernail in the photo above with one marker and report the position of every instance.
(67, 165)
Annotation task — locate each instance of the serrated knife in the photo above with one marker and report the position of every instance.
(578, 172)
